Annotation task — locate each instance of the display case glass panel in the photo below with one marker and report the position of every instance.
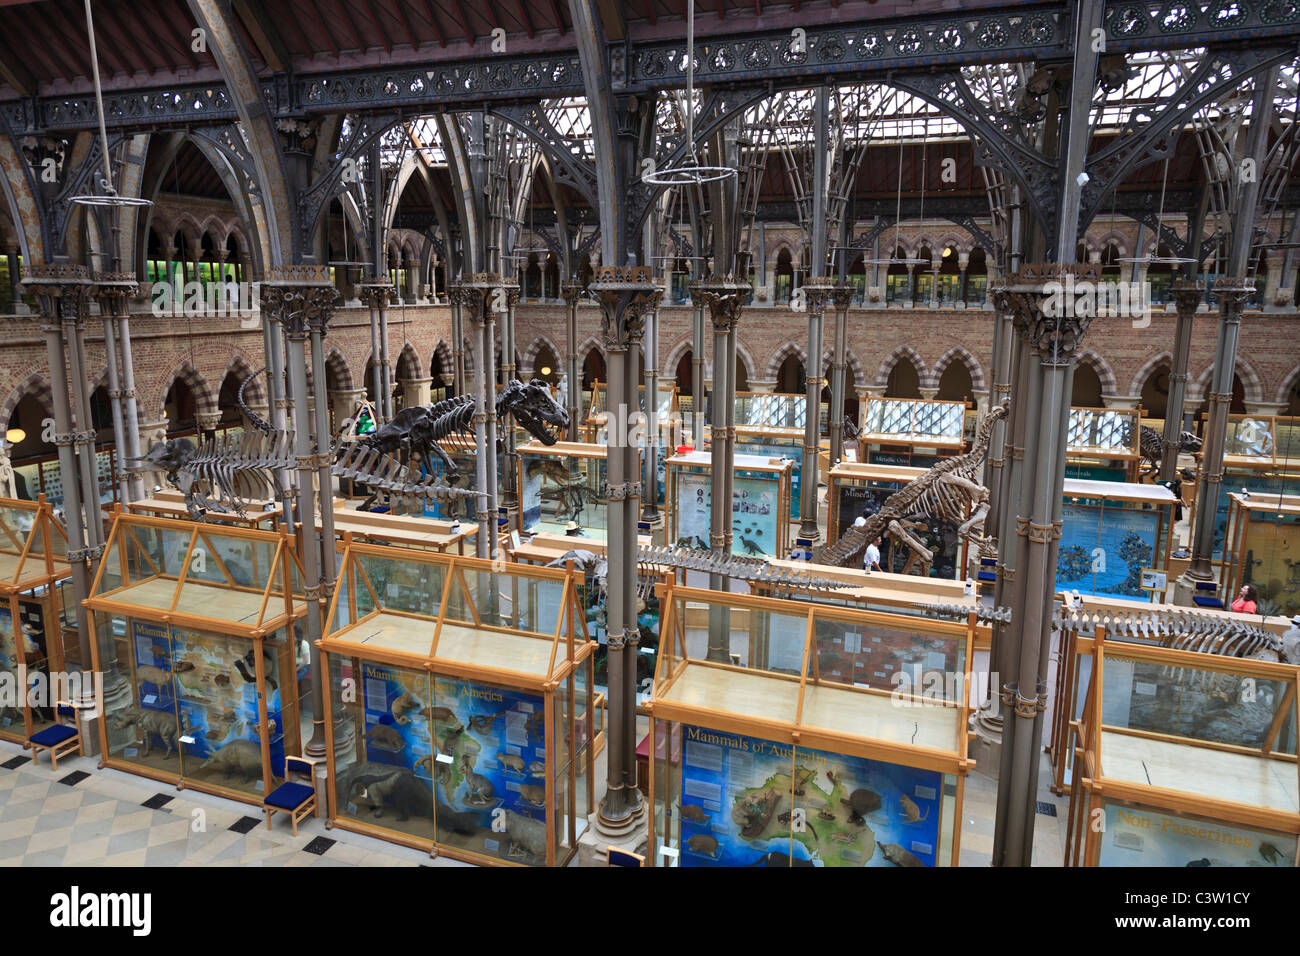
(1134, 835)
(563, 484)
(760, 504)
(913, 422)
(1265, 536)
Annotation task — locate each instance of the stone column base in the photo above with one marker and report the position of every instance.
(593, 845)
(985, 747)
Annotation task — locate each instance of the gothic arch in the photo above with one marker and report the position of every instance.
(958, 354)
(529, 360)
(408, 366)
(679, 348)
(35, 385)
(255, 394)
(773, 370)
(1105, 374)
(443, 362)
(1149, 368)
(1252, 386)
(896, 356)
(1283, 396)
(338, 367)
(204, 400)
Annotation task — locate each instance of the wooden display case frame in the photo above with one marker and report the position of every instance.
(570, 651)
(672, 666)
(39, 565)
(1161, 500)
(589, 428)
(1082, 842)
(1104, 455)
(561, 451)
(272, 616)
(1240, 512)
(171, 504)
(912, 442)
(701, 463)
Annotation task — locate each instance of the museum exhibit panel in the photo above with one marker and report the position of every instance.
(198, 630)
(771, 425)
(1261, 458)
(1263, 537)
(33, 563)
(760, 503)
(461, 710)
(806, 735)
(1112, 533)
(912, 433)
(1190, 759)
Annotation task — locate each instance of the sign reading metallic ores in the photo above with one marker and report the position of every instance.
(795, 734)
(461, 712)
(197, 629)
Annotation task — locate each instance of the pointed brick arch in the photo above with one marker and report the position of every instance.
(958, 354)
(255, 394)
(409, 366)
(204, 400)
(1152, 365)
(894, 357)
(442, 362)
(1105, 374)
(336, 365)
(528, 364)
(35, 385)
(1252, 386)
(780, 355)
(1283, 396)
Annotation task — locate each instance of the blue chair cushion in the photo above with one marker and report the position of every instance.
(987, 576)
(988, 562)
(52, 736)
(289, 796)
(1206, 586)
(1206, 601)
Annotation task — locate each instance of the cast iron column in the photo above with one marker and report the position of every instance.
(303, 307)
(510, 495)
(474, 295)
(698, 396)
(841, 297)
(1187, 296)
(1053, 340)
(650, 501)
(376, 296)
(625, 295)
(817, 290)
(571, 289)
(113, 292)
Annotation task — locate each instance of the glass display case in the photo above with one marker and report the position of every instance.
(1261, 456)
(1263, 534)
(770, 425)
(461, 709)
(166, 503)
(791, 734)
(1112, 532)
(33, 652)
(760, 503)
(199, 637)
(912, 432)
(594, 428)
(561, 485)
(462, 450)
(1188, 760)
(1102, 444)
(857, 490)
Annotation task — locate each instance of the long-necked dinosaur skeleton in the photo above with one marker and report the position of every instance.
(949, 491)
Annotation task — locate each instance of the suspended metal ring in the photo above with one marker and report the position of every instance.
(689, 175)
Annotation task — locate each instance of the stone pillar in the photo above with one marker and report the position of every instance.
(114, 292)
(473, 295)
(1187, 295)
(344, 403)
(1121, 402)
(762, 386)
(510, 497)
(415, 391)
(625, 295)
(207, 423)
(376, 296)
(841, 298)
(981, 396)
(818, 292)
(929, 394)
(1265, 408)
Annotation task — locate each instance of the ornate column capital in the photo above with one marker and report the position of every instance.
(207, 421)
(1232, 293)
(376, 295)
(842, 296)
(817, 292)
(1188, 294)
(724, 297)
(570, 291)
(113, 290)
(301, 296)
(626, 295)
(473, 294)
(1040, 299)
(62, 289)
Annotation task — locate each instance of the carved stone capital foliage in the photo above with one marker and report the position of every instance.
(842, 296)
(301, 297)
(376, 295)
(724, 297)
(626, 295)
(114, 289)
(817, 292)
(473, 294)
(62, 289)
(571, 290)
(1187, 296)
(1232, 293)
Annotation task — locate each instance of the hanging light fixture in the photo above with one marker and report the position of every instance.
(689, 173)
(107, 196)
(15, 435)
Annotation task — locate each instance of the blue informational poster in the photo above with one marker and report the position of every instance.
(1136, 836)
(755, 519)
(1103, 550)
(153, 657)
(794, 452)
(751, 802)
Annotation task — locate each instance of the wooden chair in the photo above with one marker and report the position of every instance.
(296, 799)
(615, 857)
(60, 738)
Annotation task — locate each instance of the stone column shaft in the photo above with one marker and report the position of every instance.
(1187, 295)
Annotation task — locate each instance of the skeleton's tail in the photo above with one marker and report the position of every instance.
(257, 421)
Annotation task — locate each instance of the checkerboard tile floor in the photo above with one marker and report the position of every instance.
(111, 818)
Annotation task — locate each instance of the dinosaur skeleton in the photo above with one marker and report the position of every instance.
(572, 492)
(959, 612)
(1151, 445)
(946, 492)
(416, 431)
(231, 472)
